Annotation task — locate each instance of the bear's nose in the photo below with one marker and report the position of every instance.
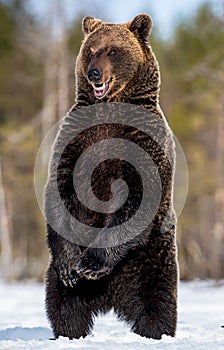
(94, 75)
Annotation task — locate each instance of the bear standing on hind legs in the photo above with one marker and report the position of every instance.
(138, 278)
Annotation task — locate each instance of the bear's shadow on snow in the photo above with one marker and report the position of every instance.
(25, 333)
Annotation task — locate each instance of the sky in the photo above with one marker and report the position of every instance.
(165, 13)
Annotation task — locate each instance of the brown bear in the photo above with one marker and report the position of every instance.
(137, 279)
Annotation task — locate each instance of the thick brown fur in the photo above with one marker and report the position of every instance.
(137, 279)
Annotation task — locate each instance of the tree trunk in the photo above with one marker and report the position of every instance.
(6, 244)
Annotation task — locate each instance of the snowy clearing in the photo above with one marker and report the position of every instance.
(23, 324)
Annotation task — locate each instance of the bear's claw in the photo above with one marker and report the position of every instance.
(92, 266)
(68, 276)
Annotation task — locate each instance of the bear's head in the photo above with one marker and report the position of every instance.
(111, 55)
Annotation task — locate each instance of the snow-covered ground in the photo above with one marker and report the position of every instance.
(23, 324)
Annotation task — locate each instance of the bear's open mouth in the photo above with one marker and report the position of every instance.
(101, 89)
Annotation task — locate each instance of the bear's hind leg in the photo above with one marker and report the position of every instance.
(69, 316)
(150, 316)
(155, 318)
(148, 304)
(156, 310)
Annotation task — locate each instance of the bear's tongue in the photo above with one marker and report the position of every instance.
(101, 90)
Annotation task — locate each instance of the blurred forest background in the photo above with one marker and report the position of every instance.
(36, 89)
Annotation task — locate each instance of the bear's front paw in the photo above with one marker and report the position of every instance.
(68, 275)
(93, 265)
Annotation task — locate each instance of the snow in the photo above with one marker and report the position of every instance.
(23, 324)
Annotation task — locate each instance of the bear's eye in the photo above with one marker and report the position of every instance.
(90, 56)
(112, 52)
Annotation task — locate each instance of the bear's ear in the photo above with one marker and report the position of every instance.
(89, 24)
(141, 26)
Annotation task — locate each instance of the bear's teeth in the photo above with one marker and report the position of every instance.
(101, 91)
(101, 88)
